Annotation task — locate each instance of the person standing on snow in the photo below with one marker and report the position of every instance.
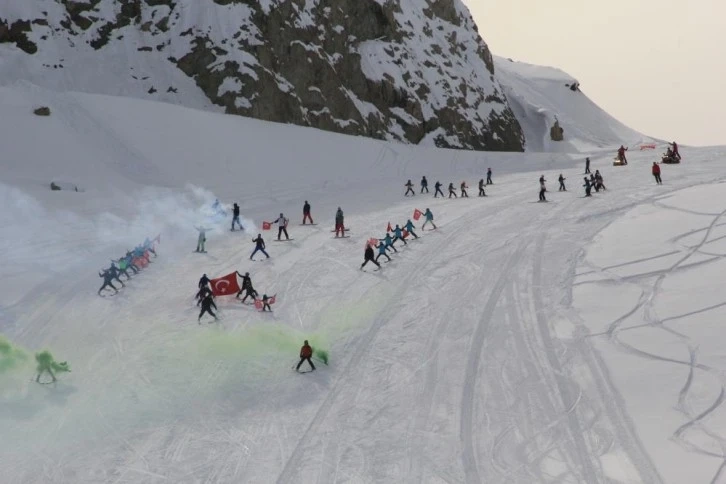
(306, 353)
(482, 193)
(398, 235)
(339, 223)
(542, 189)
(599, 181)
(265, 303)
(207, 305)
(429, 218)
(489, 177)
(203, 281)
(588, 187)
(204, 291)
(306, 213)
(409, 189)
(388, 240)
(107, 281)
(562, 179)
(463, 190)
(369, 256)
(452, 191)
(202, 239)
(587, 166)
(409, 228)
(246, 283)
(235, 217)
(621, 155)
(675, 150)
(259, 246)
(382, 248)
(656, 173)
(281, 227)
(424, 185)
(438, 191)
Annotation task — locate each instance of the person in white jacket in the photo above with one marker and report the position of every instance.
(281, 227)
(202, 238)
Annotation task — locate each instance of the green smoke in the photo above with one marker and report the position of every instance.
(11, 357)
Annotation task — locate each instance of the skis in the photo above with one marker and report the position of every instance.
(282, 240)
(345, 230)
(199, 252)
(305, 225)
(342, 237)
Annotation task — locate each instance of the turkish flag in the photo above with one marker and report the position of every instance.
(271, 300)
(258, 304)
(225, 286)
(405, 233)
(389, 228)
(373, 242)
(266, 225)
(417, 214)
(140, 262)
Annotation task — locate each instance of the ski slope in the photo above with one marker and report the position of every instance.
(573, 341)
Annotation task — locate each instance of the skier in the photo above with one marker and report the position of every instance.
(129, 258)
(489, 177)
(203, 281)
(369, 256)
(339, 225)
(656, 173)
(437, 186)
(675, 150)
(251, 293)
(409, 228)
(593, 182)
(46, 364)
(542, 189)
(409, 188)
(429, 218)
(452, 191)
(281, 227)
(204, 291)
(207, 305)
(398, 235)
(599, 180)
(265, 303)
(217, 207)
(562, 179)
(382, 247)
(259, 246)
(202, 238)
(424, 185)
(122, 267)
(149, 245)
(587, 166)
(306, 213)
(463, 190)
(107, 281)
(621, 155)
(388, 240)
(481, 188)
(246, 283)
(235, 217)
(588, 187)
(306, 353)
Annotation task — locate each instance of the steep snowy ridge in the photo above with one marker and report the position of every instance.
(405, 70)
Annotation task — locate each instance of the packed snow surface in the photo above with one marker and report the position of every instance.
(572, 341)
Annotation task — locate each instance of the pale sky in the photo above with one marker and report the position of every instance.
(659, 66)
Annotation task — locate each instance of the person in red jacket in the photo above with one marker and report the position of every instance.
(621, 154)
(656, 173)
(306, 353)
(676, 154)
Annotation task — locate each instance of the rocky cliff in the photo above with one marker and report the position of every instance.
(416, 71)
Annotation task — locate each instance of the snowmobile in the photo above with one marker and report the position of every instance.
(617, 161)
(669, 158)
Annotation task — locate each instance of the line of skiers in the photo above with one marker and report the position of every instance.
(393, 235)
(139, 255)
(452, 190)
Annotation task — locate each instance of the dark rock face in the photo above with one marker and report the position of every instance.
(415, 71)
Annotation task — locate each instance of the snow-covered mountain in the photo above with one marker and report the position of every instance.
(406, 70)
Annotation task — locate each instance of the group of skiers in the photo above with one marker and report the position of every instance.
(452, 189)
(393, 235)
(205, 295)
(134, 260)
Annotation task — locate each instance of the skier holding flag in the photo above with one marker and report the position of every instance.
(388, 240)
(398, 235)
(409, 228)
(429, 218)
(369, 256)
(382, 248)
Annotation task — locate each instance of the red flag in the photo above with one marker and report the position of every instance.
(405, 233)
(258, 304)
(271, 300)
(373, 241)
(266, 225)
(417, 214)
(225, 286)
(389, 228)
(140, 262)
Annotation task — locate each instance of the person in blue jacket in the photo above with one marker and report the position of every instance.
(382, 248)
(409, 227)
(398, 235)
(388, 241)
(429, 219)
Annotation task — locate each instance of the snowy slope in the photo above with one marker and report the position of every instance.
(539, 95)
(572, 341)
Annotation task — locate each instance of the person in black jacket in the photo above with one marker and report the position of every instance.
(562, 179)
(369, 256)
(489, 177)
(107, 278)
(438, 191)
(306, 213)
(235, 217)
(588, 187)
(207, 305)
(203, 281)
(246, 283)
(203, 292)
(424, 185)
(259, 246)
